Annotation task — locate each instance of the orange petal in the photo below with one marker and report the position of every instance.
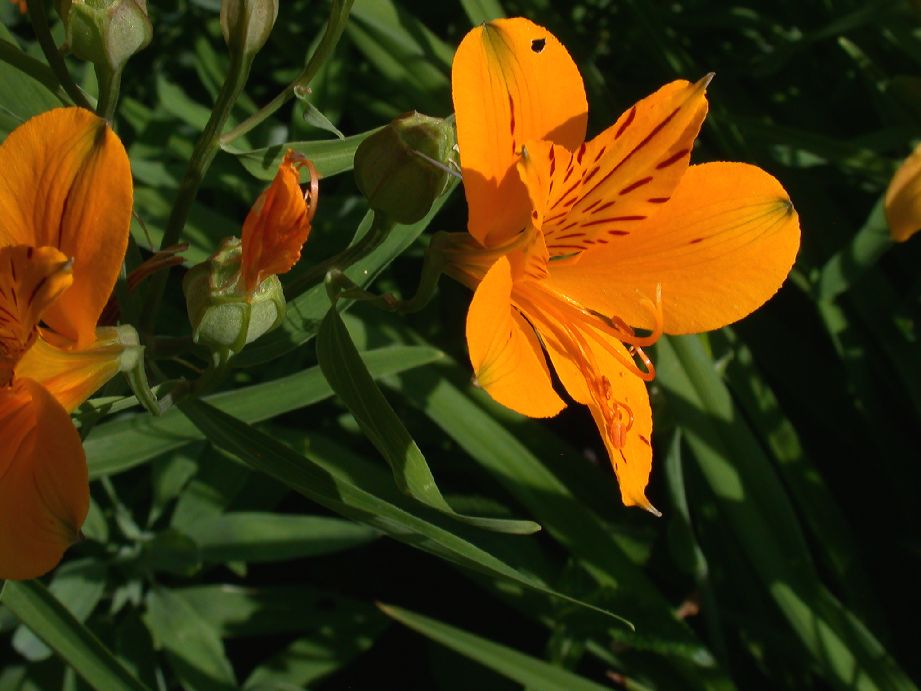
(73, 375)
(30, 281)
(504, 350)
(278, 224)
(591, 366)
(627, 172)
(719, 249)
(903, 198)
(513, 82)
(66, 183)
(44, 490)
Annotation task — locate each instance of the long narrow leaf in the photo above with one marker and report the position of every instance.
(350, 379)
(35, 607)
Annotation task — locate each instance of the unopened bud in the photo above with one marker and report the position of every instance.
(105, 32)
(224, 315)
(404, 167)
(246, 24)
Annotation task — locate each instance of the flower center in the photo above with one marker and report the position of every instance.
(584, 337)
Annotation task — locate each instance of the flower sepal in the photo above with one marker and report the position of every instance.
(106, 32)
(225, 316)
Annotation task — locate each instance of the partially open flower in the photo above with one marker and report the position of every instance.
(235, 296)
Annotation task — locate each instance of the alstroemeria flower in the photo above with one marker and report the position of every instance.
(590, 250)
(279, 222)
(65, 212)
(903, 198)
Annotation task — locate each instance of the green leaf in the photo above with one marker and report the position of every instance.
(350, 379)
(122, 444)
(193, 648)
(314, 116)
(267, 537)
(23, 94)
(531, 672)
(389, 511)
(479, 11)
(38, 609)
(757, 510)
(78, 585)
(330, 156)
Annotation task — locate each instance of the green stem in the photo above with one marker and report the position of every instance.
(334, 28)
(367, 243)
(39, 20)
(39, 71)
(110, 82)
(205, 150)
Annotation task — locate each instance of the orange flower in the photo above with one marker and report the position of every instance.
(65, 211)
(279, 223)
(590, 250)
(21, 4)
(903, 198)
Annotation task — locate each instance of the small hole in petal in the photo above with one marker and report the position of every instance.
(537, 45)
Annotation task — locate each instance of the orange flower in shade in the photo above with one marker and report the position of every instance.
(903, 198)
(65, 211)
(279, 222)
(590, 250)
(21, 4)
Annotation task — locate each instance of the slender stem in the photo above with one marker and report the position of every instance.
(110, 82)
(36, 69)
(367, 243)
(205, 150)
(334, 28)
(39, 20)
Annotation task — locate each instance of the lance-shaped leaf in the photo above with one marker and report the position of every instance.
(350, 379)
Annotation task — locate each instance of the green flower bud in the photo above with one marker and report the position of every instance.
(403, 168)
(224, 315)
(105, 32)
(246, 24)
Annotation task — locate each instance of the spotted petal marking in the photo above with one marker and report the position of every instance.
(625, 173)
(31, 279)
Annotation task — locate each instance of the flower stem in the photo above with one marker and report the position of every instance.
(205, 150)
(39, 20)
(334, 27)
(110, 82)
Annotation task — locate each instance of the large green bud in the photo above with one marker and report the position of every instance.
(404, 167)
(246, 24)
(224, 315)
(105, 32)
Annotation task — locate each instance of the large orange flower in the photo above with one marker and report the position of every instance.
(65, 212)
(589, 250)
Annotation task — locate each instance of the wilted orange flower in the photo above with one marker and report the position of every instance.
(590, 250)
(903, 198)
(65, 211)
(279, 223)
